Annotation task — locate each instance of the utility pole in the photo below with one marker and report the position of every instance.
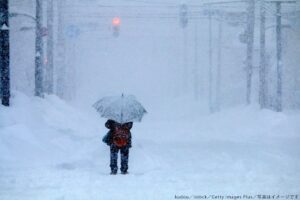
(4, 52)
(195, 71)
(210, 76)
(183, 17)
(279, 57)
(218, 83)
(248, 38)
(250, 43)
(50, 39)
(39, 50)
(262, 66)
(279, 53)
(185, 60)
(61, 69)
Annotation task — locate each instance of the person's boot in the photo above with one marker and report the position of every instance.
(113, 172)
(124, 172)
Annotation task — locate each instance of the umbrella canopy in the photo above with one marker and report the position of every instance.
(122, 109)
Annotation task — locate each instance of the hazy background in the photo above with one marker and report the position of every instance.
(147, 58)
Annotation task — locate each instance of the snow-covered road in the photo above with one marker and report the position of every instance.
(50, 150)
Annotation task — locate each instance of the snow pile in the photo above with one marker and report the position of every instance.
(51, 150)
(35, 130)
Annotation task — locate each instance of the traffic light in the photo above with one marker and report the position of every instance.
(183, 15)
(116, 22)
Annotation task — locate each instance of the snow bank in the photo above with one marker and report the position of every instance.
(35, 130)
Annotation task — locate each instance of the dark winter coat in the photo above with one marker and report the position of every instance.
(111, 124)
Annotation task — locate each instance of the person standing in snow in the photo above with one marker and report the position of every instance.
(119, 139)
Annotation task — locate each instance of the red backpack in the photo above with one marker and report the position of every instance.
(120, 136)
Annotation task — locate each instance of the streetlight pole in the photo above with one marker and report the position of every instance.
(39, 50)
(49, 64)
(60, 67)
(262, 67)
(250, 43)
(218, 81)
(279, 57)
(4, 54)
(211, 107)
(183, 16)
(195, 70)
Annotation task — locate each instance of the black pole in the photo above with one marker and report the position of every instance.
(39, 51)
(4, 54)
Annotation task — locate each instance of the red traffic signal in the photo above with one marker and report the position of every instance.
(116, 26)
(116, 21)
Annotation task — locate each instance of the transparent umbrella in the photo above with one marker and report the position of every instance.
(122, 109)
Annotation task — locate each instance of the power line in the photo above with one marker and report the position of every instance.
(125, 6)
(148, 2)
